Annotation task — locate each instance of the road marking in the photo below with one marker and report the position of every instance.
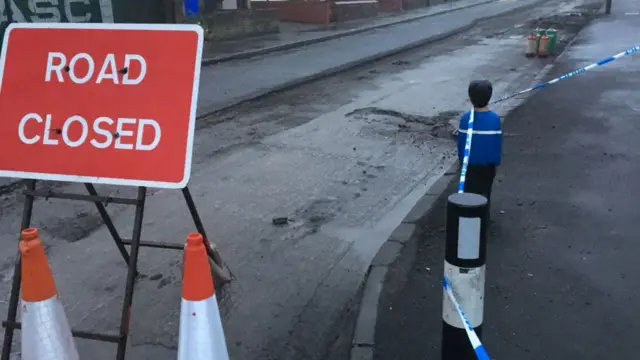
(632, 13)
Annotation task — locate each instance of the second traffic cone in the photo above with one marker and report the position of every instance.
(45, 333)
(201, 334)
(542, 48)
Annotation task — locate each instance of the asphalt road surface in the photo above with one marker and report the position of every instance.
(562, 268)
(344, 158)
(230, 82)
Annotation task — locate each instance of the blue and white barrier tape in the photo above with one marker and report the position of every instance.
(467, 144)
(573, 73)
(481, 353)
(467, 153)
(473, 338)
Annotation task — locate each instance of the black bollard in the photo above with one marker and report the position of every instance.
(464, 267)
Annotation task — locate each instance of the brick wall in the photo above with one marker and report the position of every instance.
(311, 12)
(390, 5)
(415, 4)
(230, 24)
(352, 10)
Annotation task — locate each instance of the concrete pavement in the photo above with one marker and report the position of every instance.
(227, 84)
(345, 159)
(561, 264)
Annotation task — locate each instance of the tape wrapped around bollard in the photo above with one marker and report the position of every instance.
(464, 277)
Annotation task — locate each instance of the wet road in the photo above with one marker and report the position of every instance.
(295, 32)
(340, 157)
(232, 82)
(229, 83)
(561, 264)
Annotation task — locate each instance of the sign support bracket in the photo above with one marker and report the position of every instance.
(221, 273)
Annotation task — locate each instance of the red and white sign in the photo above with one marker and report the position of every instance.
(99, 103)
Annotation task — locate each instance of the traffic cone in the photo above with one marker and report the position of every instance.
(542, 48)
(45, 331)
(532, 43)
(201, 334)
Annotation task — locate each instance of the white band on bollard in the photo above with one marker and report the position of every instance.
(469, 292)
(478, 348)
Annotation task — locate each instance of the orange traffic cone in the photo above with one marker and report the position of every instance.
(542, 48)
(45, 331)
(201, 334)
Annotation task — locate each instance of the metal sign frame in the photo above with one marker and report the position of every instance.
(221, 272)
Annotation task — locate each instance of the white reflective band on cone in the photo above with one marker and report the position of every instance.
(45, 333)
(201, 334)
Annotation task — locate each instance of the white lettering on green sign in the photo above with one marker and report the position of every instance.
(57, 11)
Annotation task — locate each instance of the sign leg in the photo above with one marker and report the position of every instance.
(221, 274)
(109, 224)
(131, 273)
(199, 226)
(15, 285)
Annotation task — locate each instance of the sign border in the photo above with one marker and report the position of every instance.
(192, 114)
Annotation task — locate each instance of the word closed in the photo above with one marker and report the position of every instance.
(103, 103)
(76, 130)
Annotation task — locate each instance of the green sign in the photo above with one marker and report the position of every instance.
(56, 11)
(82, 11)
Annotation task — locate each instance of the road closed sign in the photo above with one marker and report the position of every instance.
(99, 103)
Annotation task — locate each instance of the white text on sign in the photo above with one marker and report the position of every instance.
(57, 64)
(123, 133)
(101, 137)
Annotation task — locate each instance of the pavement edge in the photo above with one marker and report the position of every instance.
(297, 44)
(362, 344)
(257, 95)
